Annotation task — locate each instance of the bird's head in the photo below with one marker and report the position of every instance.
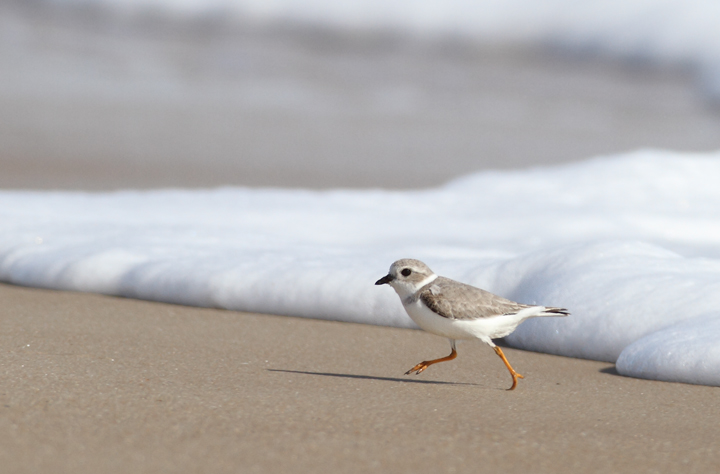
(406, 276)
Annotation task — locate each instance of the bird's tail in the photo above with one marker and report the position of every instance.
(555, 312)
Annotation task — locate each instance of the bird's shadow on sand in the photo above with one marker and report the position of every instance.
(372, 377)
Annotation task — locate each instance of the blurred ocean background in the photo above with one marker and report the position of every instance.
(108, 94)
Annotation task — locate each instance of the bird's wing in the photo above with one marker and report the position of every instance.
(454, 300)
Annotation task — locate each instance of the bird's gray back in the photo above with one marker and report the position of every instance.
(454, 300)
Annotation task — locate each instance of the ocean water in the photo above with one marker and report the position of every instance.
(630, 244)
(677, 31)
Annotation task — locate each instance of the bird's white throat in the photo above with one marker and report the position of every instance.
(405, 289)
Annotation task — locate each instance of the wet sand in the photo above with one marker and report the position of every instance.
(102, 384)
(96, 384)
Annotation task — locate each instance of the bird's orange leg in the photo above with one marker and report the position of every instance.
(427, 363)
(514, 374)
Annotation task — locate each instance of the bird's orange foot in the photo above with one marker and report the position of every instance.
(515, 377)
(418, 368)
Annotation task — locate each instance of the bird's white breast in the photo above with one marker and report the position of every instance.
(434, 323)
(484, 329)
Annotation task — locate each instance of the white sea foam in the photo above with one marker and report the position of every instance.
(630, 244)
(681, 31)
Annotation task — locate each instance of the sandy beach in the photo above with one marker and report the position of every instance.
(102, 384)
(98, 384)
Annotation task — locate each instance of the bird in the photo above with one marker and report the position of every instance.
(456, 310)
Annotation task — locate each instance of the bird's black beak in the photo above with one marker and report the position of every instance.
(384, 280)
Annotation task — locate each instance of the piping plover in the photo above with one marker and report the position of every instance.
(458, 311)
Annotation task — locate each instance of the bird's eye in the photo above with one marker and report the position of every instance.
(406, 272)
